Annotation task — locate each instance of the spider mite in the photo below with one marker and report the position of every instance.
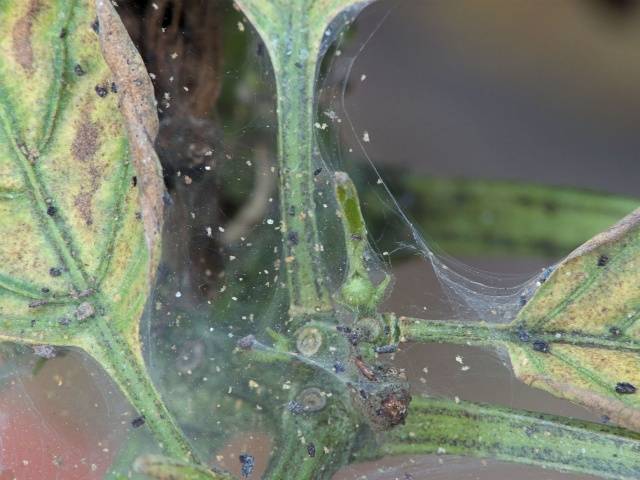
(365, 370)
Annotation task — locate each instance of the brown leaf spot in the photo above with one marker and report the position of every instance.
(85, 144)
(22, 47)
(83, 202)
(84, 147)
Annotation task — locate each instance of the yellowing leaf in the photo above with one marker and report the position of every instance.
(80, 191)
(71, 228)
(587, 313)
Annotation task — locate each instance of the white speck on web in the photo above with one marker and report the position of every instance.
(241, 26)
(208, 229)
(365, 137)
(178, 294)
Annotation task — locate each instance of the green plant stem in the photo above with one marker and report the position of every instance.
(294, 55)
(409, 329)
(484, 334)
(444, 427)
(126, 366)
(332, 432)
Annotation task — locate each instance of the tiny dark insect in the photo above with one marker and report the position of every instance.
(541, 346)
(603, 260)
(248, 463)
(625, 388)
(78, 70)
(387, 349)
(364, 369)
(546, 273)
(353, 338)
(293, 238)
(63, 33)
(523, 336)
(138, 421)
(295, 407)
(356, 237)
(101, 91)
(523, 300)
(292, 211)
(134, 181)
(311, 449)
(51, 210)
(114, 87)
(45, 290)
(95, 26)
(38, 303)
(338, 367)
(615, 331)
(317, 171)
(55, 271)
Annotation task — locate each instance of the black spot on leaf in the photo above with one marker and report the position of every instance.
(138, 421)
(55, 271)
(625, 388)
(541, 346)
(101, 91)
(603, 260)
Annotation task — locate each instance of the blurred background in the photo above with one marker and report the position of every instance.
(475, 113)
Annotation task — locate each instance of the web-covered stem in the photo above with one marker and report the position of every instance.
(294, 34)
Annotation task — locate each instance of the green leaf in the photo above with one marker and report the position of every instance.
(578, 337)
(73, 249)
(80, 191)
(593, 294)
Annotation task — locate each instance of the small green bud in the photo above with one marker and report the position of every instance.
(358, 291)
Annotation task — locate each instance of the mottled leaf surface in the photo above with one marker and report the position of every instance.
(588, 313)
(80, 191)
(72, 245)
